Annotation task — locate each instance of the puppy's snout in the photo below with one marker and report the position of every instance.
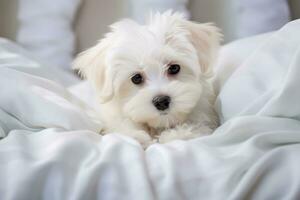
(161, 102)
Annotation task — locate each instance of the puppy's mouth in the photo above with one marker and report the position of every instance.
(164, 119)
(163, 113)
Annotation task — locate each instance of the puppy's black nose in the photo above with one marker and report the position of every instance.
(161, 102)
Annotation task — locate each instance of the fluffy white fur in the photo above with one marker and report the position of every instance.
(148, 49)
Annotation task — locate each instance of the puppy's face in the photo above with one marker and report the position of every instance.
(156, 73)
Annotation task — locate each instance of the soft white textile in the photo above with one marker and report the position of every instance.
(53, 152)
(45, 29)
(14, 56)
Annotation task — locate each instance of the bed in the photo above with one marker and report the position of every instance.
(50, 148)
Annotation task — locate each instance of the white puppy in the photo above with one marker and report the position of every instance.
(153, 80)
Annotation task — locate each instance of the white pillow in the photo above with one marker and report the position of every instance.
(257, 16)
(140, 9)
(46, 30)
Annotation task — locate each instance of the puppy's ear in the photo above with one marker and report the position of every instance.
(92, 65)
(206, 39)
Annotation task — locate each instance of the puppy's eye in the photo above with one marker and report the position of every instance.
(137, 79)
(173, 69)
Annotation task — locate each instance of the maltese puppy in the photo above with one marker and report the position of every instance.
(153, 81)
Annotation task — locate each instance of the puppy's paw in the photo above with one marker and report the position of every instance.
(172, 134)
(182, 132)
(142, 137)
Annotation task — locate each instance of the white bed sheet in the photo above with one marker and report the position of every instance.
(51, 149)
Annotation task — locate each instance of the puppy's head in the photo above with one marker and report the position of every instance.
(156, 72)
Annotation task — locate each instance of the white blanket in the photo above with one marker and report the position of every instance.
(52, 151)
